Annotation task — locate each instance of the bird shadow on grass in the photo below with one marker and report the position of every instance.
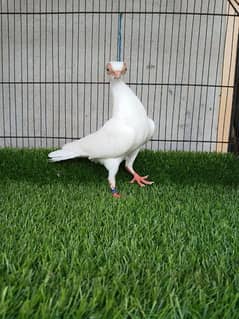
(163, 168)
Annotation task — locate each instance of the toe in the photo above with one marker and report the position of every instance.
(147, 182)
(116, 195)
(141, 180)
(140, 183)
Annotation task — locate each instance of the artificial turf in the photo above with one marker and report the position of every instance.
(70, 250)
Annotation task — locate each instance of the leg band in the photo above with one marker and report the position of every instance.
(114, 190)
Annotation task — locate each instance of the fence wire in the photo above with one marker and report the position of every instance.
(181, 63)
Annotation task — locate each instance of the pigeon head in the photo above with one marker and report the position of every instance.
(115, 69)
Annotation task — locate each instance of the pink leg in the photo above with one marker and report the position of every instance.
(140, 180)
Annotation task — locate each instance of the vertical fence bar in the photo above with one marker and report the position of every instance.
(72, 68)
(104, 54)
(182, 74)
(216, 76)
(46, 100)
(191, 28)
(208, 75)
(195, 77)
(91, 64)
(3, 93)
(14, 73)
(110, 55)
(65, 60)
(33, 78)
(150, 57)
(202, 75)
(52, 75)
(124, 37)
(162, 72)
(58, 74)
(40, 73)
(78, 69)
(169, 68)
(131, 41)
(156, 72)
(143, 52)
(84, 94)
(98, 70)
(21, 68)
(27, 69)
(9, 79)
(138, 48)
(175, 79)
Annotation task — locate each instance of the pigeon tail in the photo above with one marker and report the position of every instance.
(61, 155)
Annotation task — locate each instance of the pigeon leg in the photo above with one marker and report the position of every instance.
(112, 165)
(140, 180)
(112, 183)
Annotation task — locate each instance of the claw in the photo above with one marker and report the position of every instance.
(141, 180)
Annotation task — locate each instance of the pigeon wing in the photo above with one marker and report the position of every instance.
(114, 139)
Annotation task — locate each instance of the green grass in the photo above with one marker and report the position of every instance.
(70, 250)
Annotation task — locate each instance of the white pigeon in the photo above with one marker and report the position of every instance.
(120, 138)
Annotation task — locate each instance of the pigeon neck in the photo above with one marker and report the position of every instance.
(115, 81)
(116, 85)
(119, 91)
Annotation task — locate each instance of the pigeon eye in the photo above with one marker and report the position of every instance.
(107, 69)
(125, 69)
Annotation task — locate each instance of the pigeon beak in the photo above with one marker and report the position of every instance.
(117, 74)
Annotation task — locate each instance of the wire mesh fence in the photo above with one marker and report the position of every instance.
(181, 58)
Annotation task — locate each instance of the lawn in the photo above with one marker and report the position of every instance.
(70, 250)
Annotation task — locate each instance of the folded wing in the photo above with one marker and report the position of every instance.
(114, 139)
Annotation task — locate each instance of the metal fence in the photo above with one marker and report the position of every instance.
(181, 54)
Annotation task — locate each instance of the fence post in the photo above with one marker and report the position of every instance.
(234, 130)
(228, 76)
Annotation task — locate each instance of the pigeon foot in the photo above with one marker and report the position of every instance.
(116, 195)
(141, 180)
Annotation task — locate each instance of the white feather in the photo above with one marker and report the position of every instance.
(61, 155)
(117, 65)
(112, 140)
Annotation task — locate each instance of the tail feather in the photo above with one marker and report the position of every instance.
(61, 155)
